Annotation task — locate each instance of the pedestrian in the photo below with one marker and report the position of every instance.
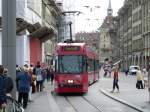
(3, 99)
(48, 74)
(24, 81)
(18, 70)
(8, 82)
(105, 70)
(126, 72)
(33, 78)
(30, 71)
(52, 75)
(44, 75)
(139, 83)
(8, 88)
(115, 79)
(145, 77)
(39, 78)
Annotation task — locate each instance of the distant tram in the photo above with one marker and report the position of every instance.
(76, 67)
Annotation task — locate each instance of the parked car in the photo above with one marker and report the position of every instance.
(133, 69)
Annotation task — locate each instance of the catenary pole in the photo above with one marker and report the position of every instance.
(70, 26)
(9, 38)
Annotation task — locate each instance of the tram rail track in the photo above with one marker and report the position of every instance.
(98, 108)
(71, 99)
(90, 103)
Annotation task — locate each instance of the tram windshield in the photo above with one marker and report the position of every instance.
(70, 64)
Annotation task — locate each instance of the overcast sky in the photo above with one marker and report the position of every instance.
(93, 17)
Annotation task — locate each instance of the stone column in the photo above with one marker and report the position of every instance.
(9, 37)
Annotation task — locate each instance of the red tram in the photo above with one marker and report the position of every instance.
(76, 67)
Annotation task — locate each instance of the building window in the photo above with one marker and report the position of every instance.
(35, 5)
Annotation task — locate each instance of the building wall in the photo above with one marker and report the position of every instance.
(146, 30)
(31, 11)
(90, 38)
(21, 6)
(35, 50)
(133, 30)
(105, 45)
(22, 50)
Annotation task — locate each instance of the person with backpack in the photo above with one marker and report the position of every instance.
(39, 78)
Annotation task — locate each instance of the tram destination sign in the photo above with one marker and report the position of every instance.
(71, 48)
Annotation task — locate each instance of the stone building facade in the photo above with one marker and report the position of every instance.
(108, 42)
(133, 31)
(37, 31)
(91, 38)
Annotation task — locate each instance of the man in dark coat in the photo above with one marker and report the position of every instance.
(2, 89)
(24, 82)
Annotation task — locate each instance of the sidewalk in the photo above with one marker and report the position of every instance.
(43, 101)
(128, 92)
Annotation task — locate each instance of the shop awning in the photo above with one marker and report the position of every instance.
(21, 25)
(43, 33)
(36, 30)
(33, 27)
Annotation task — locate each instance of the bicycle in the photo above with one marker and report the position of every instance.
(16, 107)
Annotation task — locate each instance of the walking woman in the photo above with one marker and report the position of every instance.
(115, 81)
(139, 77)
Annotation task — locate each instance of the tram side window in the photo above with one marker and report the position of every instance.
(84, 64)
(90, 65)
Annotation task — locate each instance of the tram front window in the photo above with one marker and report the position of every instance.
(70, 64)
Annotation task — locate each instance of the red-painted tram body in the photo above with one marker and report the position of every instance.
(76, 67)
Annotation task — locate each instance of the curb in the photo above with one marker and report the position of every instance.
(52, 103)
(122, 101)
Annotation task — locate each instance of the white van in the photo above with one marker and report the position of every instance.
(133, 69)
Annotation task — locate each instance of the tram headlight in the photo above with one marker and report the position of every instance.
(70, 81)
